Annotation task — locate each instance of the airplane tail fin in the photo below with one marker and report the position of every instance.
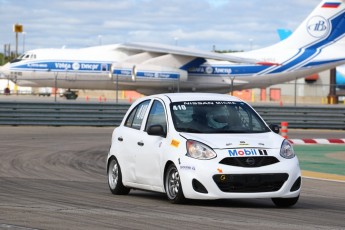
(324, 26)
(283, 33)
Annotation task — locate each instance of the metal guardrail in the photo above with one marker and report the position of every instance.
(315, 117)
(62, 114)
(110, 114)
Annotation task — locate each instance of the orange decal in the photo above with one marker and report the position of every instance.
(220, 170)
(175, 143)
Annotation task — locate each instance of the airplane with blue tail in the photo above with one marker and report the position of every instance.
(317, 44)
(340, 70)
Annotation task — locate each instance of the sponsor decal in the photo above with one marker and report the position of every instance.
(222, 177)
(243, 143)
(147, 74)
(123, 72)
(209, 69)
(89, 66)
(168, 75)
(76, 66)
(38, 65)
(209, 103)
(175, 143)
(187, 167)
(318, 26)
(201, 69)
(196, 69)
(246, 152)
(66, 66)
(222, 70)
(263, 152)
(220, 170)
(225, 103)
(62, 65)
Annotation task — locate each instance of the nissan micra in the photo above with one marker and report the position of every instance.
(201, 146)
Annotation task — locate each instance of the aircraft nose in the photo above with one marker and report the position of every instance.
(4, 71)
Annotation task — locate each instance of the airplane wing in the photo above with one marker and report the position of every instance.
(186, 52)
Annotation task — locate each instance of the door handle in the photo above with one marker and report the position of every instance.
(140, 143)
(120, 139)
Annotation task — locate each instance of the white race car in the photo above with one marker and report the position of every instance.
(201, 146)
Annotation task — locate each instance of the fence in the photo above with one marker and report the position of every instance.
(110, 114)
(291, 93)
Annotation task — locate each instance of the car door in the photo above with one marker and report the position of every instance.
(128, 137)
(149, 159)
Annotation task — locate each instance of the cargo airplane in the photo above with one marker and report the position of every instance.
(317, 44)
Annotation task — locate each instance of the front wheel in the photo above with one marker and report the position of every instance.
(285, 202)
(173, 185)
(115, 179)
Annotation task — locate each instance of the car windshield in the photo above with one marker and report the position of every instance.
(216, 117)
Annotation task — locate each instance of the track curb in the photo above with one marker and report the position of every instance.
(323, 176)
(317, 141)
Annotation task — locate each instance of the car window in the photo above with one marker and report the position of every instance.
(136, 116)
(216, 117)
(247, 120)
(157, 116)
(130, 118)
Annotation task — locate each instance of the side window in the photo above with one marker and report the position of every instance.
(130, 118)
(157, 116)
(136, 116)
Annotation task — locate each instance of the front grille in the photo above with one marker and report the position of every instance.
(250, 183)
(249, 161)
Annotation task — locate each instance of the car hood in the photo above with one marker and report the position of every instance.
(253, 140)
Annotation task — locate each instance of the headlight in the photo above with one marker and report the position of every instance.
(286, 150)
(199, 151)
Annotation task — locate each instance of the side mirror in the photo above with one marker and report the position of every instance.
(156, 130)
(274, 128)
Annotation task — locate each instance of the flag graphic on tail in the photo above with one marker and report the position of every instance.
(331, 5)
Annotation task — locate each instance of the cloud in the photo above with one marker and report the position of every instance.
(228, 24)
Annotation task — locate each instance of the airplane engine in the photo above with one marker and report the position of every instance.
(144, 71)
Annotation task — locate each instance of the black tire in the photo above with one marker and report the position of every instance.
(285, 202)
(173, 185)
(115, 179)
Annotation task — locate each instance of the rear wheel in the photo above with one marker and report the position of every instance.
(173, 185)
(285, 202)
(115, 179)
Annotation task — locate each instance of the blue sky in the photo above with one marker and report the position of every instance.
(227, 24)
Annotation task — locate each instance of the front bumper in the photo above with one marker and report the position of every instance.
(230, 182)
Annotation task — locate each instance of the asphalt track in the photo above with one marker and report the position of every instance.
(54, 178)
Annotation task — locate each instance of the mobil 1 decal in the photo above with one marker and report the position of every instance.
(247, 152)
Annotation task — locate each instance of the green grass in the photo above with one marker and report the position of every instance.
(314, 158)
